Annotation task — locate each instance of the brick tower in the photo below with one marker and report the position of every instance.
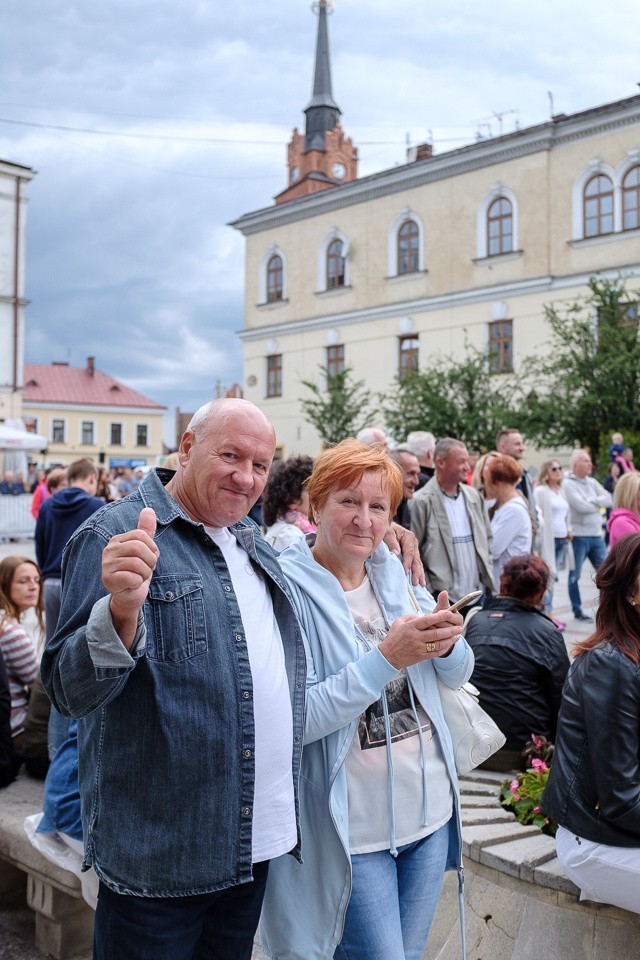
(323, 157)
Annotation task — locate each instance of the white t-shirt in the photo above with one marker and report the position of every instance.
(559, 513)
(466, 577)
(274, 822)
(366, 763)
(512, 534)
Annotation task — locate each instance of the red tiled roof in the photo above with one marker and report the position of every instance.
(59, 383)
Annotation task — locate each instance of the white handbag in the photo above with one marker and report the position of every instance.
(475, 736)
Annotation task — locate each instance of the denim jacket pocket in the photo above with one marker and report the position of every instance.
(175, 619)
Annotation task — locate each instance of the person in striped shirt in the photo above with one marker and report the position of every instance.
(20, 590)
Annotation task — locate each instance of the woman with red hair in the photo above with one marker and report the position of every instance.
(511, 525)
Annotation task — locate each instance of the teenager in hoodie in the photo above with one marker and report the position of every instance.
(58, 518)
(625, 516)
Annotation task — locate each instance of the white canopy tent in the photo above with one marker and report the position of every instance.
(13, 439)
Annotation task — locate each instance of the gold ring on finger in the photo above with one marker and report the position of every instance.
(431, 647)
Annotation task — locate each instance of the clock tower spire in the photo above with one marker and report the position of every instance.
(323, 157)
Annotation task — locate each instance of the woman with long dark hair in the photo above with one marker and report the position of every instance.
(594, 785)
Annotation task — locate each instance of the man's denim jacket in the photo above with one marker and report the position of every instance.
(166, 733)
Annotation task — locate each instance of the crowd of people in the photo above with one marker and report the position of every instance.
(303, 658)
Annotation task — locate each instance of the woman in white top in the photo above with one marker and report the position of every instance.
(511, 525)
(555, 536)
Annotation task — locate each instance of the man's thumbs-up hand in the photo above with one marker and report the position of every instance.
(128, 562)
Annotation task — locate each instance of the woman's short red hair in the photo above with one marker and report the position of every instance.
(343, 466)
(504, 469)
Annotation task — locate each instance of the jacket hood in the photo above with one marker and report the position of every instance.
(68, 499)
(622, 512)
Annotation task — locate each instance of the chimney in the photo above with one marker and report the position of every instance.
(423, 151)
(91, 365)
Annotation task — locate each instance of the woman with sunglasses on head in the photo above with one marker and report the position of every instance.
(555, 533)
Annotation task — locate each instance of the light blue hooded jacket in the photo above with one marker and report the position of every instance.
(305, 903)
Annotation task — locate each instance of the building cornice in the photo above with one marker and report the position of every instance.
(501, 291)
(522, 143)
(109, 410)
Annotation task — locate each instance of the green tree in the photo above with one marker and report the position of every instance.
(588, 382)
(452, 398)
(341, 408)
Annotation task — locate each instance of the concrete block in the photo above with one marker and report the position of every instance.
(480, 789)
(551, 874)
(475, 837)
(519, 858)
(64, 924)
(475, 800)
(495, 814)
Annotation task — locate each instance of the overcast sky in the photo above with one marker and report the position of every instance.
(180, 114)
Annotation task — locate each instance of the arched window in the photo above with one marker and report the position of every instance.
(274, 279)
(499, 227)
(598, 206)
(335, 265)
(408, 247)
(631, 199)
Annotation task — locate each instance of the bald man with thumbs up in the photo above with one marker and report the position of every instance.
(179, 652)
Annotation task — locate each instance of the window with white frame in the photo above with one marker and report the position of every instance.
(116, 434)
(405, 245)
(598, 206)
(499, 227)
(87, 432)
(497, 224)
(274, 375)
(272, 277)
(631, 199)
(333, 262)
(142, 434)
(335, 359)
(408, 355)
(501, 346)
(58, 430)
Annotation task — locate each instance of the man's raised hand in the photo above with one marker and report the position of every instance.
(128, 562)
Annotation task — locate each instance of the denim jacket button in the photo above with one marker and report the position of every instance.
(238, 637)
(227, 589)
(168, 595)
(246, 695)
(246, 811)
(247, 753)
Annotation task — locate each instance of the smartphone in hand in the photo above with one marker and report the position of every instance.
(470, 597)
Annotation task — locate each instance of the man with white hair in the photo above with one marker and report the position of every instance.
(372, 436)
(586, 499)
(422, 444)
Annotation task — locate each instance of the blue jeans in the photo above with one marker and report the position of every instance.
(210, 926)
(393, 900)
(595, 549)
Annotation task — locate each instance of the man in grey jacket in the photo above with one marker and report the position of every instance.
(450, 521)
(586, 498)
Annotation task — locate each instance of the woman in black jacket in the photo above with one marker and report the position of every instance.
(594, 785)
(521, 659)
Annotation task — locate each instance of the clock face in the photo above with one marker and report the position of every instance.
(295, 173)
(338, 170)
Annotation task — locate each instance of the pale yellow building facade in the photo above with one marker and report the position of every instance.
(469, 245)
